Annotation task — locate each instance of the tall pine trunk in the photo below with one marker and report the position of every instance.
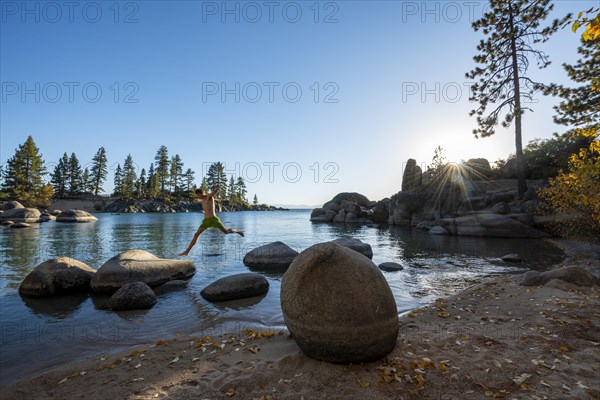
(522, 184)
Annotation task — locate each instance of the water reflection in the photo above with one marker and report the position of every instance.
(60, 307)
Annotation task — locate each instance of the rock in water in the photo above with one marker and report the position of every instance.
(236, 287)
(20, 225)
(132, 296)
(75, 216)
(272, 257)
(356, 245)
(438, 230)
(139, 265)
(390, 267)
(57, 276)
(512, 258)
(338, 306)
(19, 214)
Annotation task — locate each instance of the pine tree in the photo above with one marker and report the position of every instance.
(162, 166)
(255, 201)
(85, 181)
(580, 105)
(511, 28)
(128, 178)
(231, 192)
(99, 171)
(75, 176)
(24, 173)
(60, 177)
(176, 172)
(189, 179)
(141, 184)
(153, 185)
(216, 178)
(240, 188)
(204, 185)
(118, 181)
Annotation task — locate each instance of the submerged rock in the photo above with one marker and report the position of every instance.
(330, 311)
(170, 286)
(237, 286)
(57, 276)
(132, 296)
(142, 266)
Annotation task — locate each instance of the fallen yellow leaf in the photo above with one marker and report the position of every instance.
(230, 392)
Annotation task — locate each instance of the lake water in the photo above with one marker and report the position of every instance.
(37, 334)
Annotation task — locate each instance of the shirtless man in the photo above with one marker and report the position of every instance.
(210, 219)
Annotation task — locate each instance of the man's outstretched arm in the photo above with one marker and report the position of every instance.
(214, 192)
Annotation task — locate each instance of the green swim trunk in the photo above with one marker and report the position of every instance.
(212, 222)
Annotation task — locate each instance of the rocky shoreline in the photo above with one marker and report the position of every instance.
(496, 339)
(467, 203)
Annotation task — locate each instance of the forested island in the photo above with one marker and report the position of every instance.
(164, 187)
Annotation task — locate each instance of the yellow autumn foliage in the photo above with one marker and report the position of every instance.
(591, 24)
(576, 191)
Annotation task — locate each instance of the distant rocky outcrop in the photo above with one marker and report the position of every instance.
(21, 214)
(458, 200)
(413, 175)
(9, 205)
(75, 216)
(353, 208)
(160, 206)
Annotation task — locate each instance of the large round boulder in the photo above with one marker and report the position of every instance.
(132, 296)
(272, 257)
(20, 214)
(356, 245)
(237, 286)
(75, 216)
(338, 306)
(142, 266)
(57, 276)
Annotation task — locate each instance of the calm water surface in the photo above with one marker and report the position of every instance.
(36, 334)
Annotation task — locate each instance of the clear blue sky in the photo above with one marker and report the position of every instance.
(395, 68)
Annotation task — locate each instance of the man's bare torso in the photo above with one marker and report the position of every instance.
(208, 206)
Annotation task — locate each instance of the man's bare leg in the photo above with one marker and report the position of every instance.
(193, 242)
(230, 230)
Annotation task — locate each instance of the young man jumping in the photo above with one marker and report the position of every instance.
(210, 219)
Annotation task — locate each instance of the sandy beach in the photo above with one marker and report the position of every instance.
(493, 340)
